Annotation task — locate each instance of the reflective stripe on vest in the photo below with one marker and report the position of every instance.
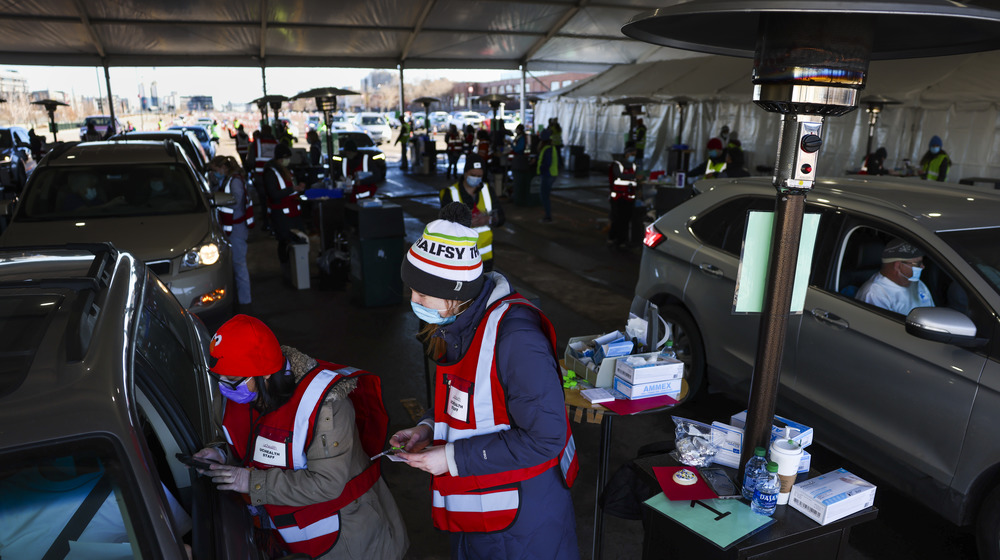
(621, 186)
(226, 213)
(712, 168)
(242, 143)
(289, 205)
(485, 502)
(485, 206)
(319, 529)
(349, 172)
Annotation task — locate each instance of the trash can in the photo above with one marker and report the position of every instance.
(581, 165)
(574, 152)
(298, 253)
(376, 245)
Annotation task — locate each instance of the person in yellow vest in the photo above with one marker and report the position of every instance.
(714, 163)
(472, 190)
(935, 163)
(497, 441)
(300, 433)
(403, 139)
(548, 169)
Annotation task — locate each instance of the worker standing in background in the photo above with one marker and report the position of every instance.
(242, 144)
(639, 138)
(473, 191)
(403, 139)
(935, 163)
(455, 144)
(557, 141)
(624, 185)
(714, 163)
(548, 169)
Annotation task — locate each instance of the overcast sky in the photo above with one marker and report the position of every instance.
(223, 84)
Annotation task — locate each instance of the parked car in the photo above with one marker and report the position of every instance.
(391, 119)
(343, 122)
(913, 399)
(440, 121)
(101, 123)
(145, 198)
(204, 137)
(186, 138)
(462, 118)
(375, 125)
(365, 145)
(16, 162)
(104, 380)
(313, 122)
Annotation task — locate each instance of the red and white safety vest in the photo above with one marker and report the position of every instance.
(471, 402)
(280, 440)
(226, 214)
(243, 144)
(289, 206)
(455, 143)
(349, 170)
(483, 149)
(263, 153)
(623, 182)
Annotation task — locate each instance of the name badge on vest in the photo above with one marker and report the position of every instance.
(269, 452)
(458, 398)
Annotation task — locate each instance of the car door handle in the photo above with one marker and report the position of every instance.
(829, 318)
(711, 270)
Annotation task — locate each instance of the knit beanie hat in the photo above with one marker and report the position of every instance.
(282, 151)
(474, 161)
(715, 144)
(244, 347)
(899, 250)
(444, 262)
(935, 141)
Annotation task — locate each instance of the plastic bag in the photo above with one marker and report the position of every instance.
(694, 442)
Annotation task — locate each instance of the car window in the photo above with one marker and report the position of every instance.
(981, 249)
(6, 139)
(164, 341)
(97, 191)
(371, 120)
(98, 121)
(70, 500)
(723, 227)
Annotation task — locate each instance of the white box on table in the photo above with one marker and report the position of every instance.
(731, 447)
(801, 434)
(832, 496)
(671, 388)
(633, 371)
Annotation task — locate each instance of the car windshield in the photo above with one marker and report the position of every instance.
(198, 131)
(371, 120)
(360, 139)
(99, 191)
(67, 500)
(981, 249)
(6, 139)
(98, 121)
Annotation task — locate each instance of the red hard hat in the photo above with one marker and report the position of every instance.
(244, 347)
(715, 144)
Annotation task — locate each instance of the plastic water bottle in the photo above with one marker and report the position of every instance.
(668, 350)
(755, 468)
(765, 494)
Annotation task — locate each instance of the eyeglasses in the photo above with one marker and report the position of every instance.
(913, 264)
(231, 382)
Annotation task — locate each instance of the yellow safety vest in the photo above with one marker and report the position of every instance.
(485, 206)
(933, 167)
(553, 166)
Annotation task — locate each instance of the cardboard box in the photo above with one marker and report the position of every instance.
(597, 375)
(730, 442)
(632, 370)
(613, 349)
(832, 496)
(801, 434)
(671, 388)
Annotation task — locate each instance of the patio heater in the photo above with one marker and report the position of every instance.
(326, 101)
(874, 105)
(810, 61)
(51, 105)
(633, 108)
(532, 100)
(274, 101)
(426, 102)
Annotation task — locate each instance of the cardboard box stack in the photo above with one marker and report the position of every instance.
(593, 357)
(732, 437)
(641, 376)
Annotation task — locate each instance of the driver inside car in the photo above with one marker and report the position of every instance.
(897, 285)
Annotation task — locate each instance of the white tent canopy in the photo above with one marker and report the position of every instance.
(954, 97)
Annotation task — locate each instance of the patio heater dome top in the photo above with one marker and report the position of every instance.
(902, 29)
(323, 92)
(50, 104)
(426, 100)
(270, 99)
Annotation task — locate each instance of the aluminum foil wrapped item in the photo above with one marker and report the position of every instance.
(693, 442)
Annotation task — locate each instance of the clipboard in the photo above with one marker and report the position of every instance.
(720, 522)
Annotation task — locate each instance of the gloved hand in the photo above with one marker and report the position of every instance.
(228, 477)
(412, 439)
(211, 454)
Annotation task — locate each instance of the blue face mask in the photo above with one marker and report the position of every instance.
(915, 273)
(473, 181)
(631, 159)
(432, 316)
(712, 154)
(218, 177)
(935, 149)
(241, 394)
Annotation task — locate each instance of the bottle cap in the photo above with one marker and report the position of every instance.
(759, 451)
(772, 467)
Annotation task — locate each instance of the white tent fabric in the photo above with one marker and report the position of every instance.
(954, 97)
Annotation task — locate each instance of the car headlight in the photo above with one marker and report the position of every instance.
(205, 254)
(378, 156)
(6, 159)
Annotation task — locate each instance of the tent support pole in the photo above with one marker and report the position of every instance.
(263, 81)
(111, 101)
(402, 101)
(524, 81)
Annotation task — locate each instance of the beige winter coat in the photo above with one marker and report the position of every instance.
(371, 526)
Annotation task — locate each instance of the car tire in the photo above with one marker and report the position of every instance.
(988, 527)
(689, 347)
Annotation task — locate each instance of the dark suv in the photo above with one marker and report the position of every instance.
(16, 162)
(103, 379)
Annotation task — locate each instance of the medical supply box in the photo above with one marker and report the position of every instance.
(639, 369)
(832, 496)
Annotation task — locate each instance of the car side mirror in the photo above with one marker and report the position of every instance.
(942, 324)
(223, 199)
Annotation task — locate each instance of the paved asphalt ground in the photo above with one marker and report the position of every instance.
(585, 289)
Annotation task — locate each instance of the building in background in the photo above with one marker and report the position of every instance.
(13, 85)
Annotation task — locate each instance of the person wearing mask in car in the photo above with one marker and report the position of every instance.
(624, 187)
(935, 163)
(282, 194)
(714, 163)
(405, 128)
(355, 166)
(455, 143)
(236, 221)
(897, 285)
(497, 442)
(299, 435)
(548, 168)
(481, 201)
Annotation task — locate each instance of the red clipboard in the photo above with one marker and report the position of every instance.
(626, 407)
(700, 490)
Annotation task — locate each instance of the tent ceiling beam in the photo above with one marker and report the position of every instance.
(85, 19)
(421, 19)
(562, 21)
